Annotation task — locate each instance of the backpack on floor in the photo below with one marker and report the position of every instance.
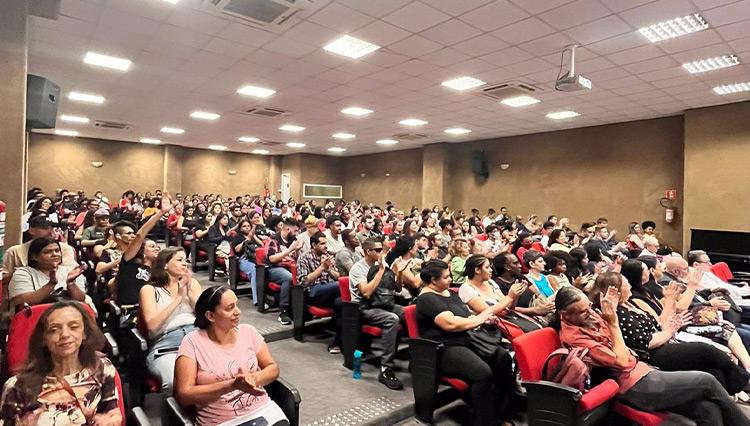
(568, 367)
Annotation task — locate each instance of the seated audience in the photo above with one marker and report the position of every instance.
(222, 367)
(557, 266)
(459, 252)
(506, 272)
(64, 381)
(542, 288)
(167, 308)
(442, 316)
(244, 245)
(18, 255)
(558, 240)
(403, 261)
(333, 234)
(368, 227)
(283, 247)
(311, 227)
(349, 255)
(374, 286)
(45, 279)
(693, 394)
(316, 270)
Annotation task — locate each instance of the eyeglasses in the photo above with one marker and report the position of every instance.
(377, 249)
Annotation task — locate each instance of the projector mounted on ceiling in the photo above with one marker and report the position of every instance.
(570, 82)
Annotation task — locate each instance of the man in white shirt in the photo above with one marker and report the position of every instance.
(333, 234)
(699, 259)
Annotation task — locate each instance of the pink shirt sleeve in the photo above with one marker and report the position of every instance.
(187, 347)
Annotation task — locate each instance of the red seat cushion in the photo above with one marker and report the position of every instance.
(152, 384)
(202, 255)
(243, 276)
(320, 312)
(642, 418)
(457, 384)
(372, 330)
(273, 286)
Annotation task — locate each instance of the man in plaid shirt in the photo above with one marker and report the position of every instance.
(316, 270)
(282, 252)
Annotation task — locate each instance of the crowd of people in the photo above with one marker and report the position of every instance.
(655, 321)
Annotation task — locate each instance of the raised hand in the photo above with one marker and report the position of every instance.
(74, 273)
(672, 291)
(720, 304)
(517, 289)
(694, 277)
(609, 302)
(166, 203)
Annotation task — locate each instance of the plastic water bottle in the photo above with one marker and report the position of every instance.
(357, 364)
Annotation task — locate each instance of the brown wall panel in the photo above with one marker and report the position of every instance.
(717, 176)
(403, 187)
(205, 171)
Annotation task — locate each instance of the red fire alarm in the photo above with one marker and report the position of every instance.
(670, 194)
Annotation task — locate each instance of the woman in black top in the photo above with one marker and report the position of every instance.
(442, 316)
(654, 343)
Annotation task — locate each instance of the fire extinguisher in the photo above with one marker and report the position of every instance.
(2, 231)
(669, 210)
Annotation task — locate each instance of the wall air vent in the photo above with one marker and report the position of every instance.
(264, 112)
(111, 125)
(266, 14)
(508, 90)
(410, 136)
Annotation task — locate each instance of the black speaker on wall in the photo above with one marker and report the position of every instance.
(479, 164)
(42, 98)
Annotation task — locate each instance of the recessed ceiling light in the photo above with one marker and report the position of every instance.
(386, 142)
(152, 141)
(217, 147)
(412, 122)
(260, 151)
(172, 130)
(711, 64)
(463, 83)
(559, 115)
(296, 145)
(674, 28)
(291, 128)
(343, 136)
(204, 115)
(86, 97)
(105, 61)
(74, 118)
(357, 111)
(258, 92)
(250, 139)
(728, 89)
(172, 1)
(63, 132)
(519, 101)
(336, 149)
(457, 131)
(351, 47)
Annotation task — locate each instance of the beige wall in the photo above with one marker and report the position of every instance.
(205, 171)
(717, 173)
(617, 171)
(403, 187)
(56, 162)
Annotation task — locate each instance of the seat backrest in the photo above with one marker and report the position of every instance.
(481, 237)
(721, 270)
(19, 333)
(410, 315)
(120, 397)
(346, 295)
(532, 350)
(260, 256)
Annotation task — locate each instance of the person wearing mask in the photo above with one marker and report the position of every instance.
(244, 245)
(283, 248)
(347, 257)
(365, 280)
(45, 279)
(222, 366)
(167, 308)
(692, 394)
(316, 270)
(443, 317)
(63, 353)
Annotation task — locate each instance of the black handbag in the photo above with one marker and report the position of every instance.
(384, 296)
(485, 340)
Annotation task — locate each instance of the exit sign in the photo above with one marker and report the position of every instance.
(670, 194)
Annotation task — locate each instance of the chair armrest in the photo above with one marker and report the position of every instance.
(598, 395)
(551, 388)
(175, 413)
(112, 344)
(114, 308)
(287, 397)
(141, 342)
(138, 417)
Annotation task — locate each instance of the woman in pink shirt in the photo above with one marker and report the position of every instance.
(222, 367)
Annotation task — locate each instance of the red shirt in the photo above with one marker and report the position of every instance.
(598, 340)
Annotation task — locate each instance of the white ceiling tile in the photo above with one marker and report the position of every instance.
(718, 49)
(472, 66)
(197, 20)
(80, 9)
(156, 10)
(511, 55)
(494, 15)
(388, 76)
(495, 76)
(619, 5)
(268, 58)
(657, 11)
(741, 45)
(522, 31)
(538, 6)
(618, 43)
(598, 30)
(340, 18)
(664, 74)
(694, 41)
(385, 59)
(481, 45)
(228, 48)
(528, 67)
(171, 34)
(622, 82)
(445, 57)
(416, 17)
(414, 46)
(547, 45)
(451, 32)
(635, 55)
(652, 65)
(289, 47)
(381, 33)
(734, 31)
(310, 33)
(728, 14)
(246, 35)
(595, 64)
(376, 8)
(168, 48)
(608, 74)
(575, 13)
(456, 8)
